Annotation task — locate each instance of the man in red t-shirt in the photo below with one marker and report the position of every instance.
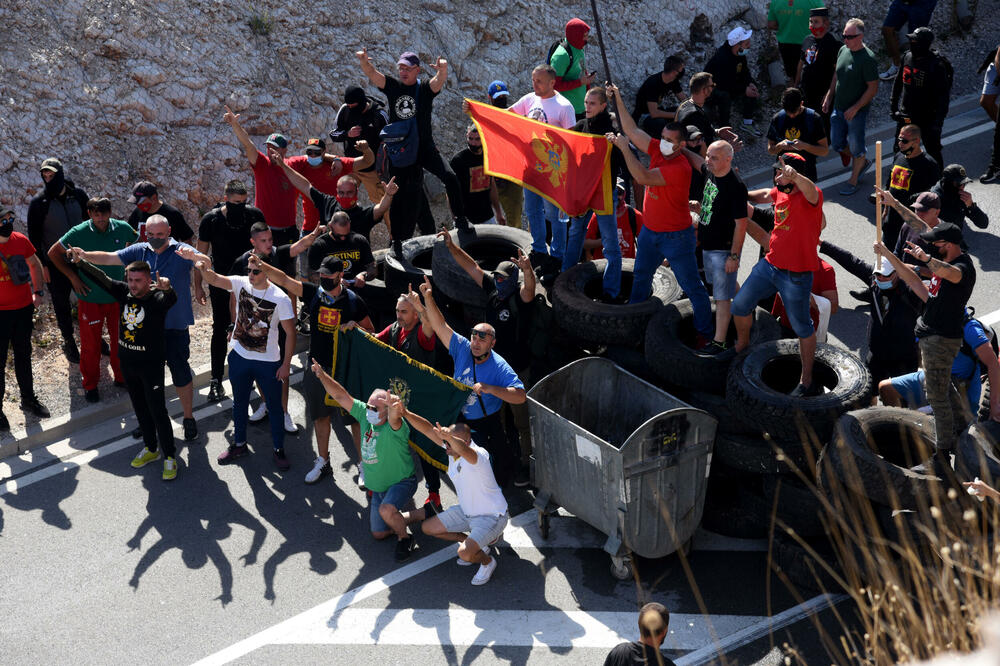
(788, 266)
(668, 232)
(629, 225)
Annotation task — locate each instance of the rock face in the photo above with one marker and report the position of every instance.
(125, 90)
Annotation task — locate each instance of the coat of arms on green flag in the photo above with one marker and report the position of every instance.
(364, 363)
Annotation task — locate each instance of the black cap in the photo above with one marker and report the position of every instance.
(692, 133)
(331, 265)
(955, 173)
(354, 95)
(944, 231)
(506, 270)
(143, 188)
(315, 143)
(51, 164)
(922, 36)
(819, 11)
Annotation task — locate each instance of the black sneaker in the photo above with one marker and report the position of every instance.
(71, 352)
(861, 294)
(190, 430)
(4, 423)
(32, 405)
(521, 478)
(405, 548)
(92, 395)
(713, 348)
(137, 433)
(105, 348)
(280, 460)
(216, 392)
(991, 176)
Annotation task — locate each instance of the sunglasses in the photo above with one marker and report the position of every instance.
(314, 153)
(7, 220)
(254, 271)
(904, 142)
(857, 34)
(482, 335)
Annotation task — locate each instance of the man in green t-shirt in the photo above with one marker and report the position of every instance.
(572, 77)
(789, 19)
(96, 306)
(385, 458)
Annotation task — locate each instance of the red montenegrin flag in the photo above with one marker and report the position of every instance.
(570, 169)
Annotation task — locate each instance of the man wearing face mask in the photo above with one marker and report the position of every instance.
(817, 61)
(511, 194)
(58, 208)
(479, 191)
(224, 232)
(957, 205)
(95, 306)
(18, 299)
(324, 172)
(913, 172)
(733, 80)
(653, 109)
(160, 251)
(789, 19)
(332, 307)
(147, 202)
(361, 118)
(922, 91)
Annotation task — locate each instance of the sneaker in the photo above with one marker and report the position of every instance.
(280, 460)
(991, 176)
(861, 294)
(105, 348)
(889, 74)
(216, 392)
(714, 348)
(361, 478)
(92, 395)
(749, 127)
(848, 190)
(405, 548)
(35, 407)
(190, 430)
(144, 457)
(259, 413)
(169, 469)
(485, 573)
(462, 563)
(232, 453)
(290, 426)
(321, 467)
(71, 352)
(137, 433)
(803, 391)
(522, 478)
(434, 499)
(4, 423)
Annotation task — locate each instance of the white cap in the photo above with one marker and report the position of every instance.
(885, 268)
(738, 34)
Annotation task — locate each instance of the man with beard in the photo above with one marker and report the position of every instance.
(479, 192)
(57, 209)
(147, 202)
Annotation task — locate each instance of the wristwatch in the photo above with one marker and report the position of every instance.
(734, 256)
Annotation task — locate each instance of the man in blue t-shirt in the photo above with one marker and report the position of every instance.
(159, 251)
(492, 379)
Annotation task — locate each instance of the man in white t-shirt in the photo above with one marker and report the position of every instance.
(481, 514)
(547, 106)
(254, 352)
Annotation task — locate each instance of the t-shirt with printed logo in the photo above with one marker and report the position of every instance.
(385, 453)
(555, 110)
(326, 314)
(723, 201)
(404, 103)
(259, 313)
(468, 167)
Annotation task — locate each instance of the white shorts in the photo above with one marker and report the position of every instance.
(484, 530)
(990, 86)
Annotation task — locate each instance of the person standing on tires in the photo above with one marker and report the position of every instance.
(788, 266)
(479, 191)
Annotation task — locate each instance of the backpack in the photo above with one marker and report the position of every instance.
(552, 50)
(400, 140)
(990, 333)
(17, 269)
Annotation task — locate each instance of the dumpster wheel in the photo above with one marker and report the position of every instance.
(621, 567)
(543, 524)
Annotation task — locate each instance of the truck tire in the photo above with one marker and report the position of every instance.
(670, 351)
(804, 568)
(412, 267)
(488, 244)
(734, 505)
(799, 507)
(757, 454)
(761, 378)
(574, 297)
(719, 407)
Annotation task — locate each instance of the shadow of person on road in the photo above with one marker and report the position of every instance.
(46, 496)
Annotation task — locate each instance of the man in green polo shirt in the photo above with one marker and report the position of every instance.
(789, 19)
(95, 306)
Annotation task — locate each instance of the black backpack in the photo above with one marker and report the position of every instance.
(552, 50)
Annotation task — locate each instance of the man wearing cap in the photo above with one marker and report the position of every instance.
(332, 308)
(956, 203)
(361, 118)
(147, 202)
(789, 20)
(789, 264)
(18, 300)
(694, 141)
(160, 251)
(797, 129)
(479, 191)
(913, 172)
(915, 14)
(852, 88)
(498, 94)
(324, 172)
(923, 217)
(922, 91)
(629, 222)
(408, 97)
(652, 109)
(95, 306)
(653, 623)
(939, 328)
(733, 80)
(817, 62)
(511, 194)
(572, 77)
(58, 208)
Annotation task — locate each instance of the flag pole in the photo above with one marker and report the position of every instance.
(878, 199)
(604, 55)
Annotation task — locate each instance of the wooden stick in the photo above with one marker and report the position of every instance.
(878, 201)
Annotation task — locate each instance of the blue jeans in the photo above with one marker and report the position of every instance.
(242, 374)
(677, 247)
(849, 134)
(398, 495)
(608, 226)
(795, 288)
(537, 209)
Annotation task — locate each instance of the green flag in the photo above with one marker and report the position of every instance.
(363, 364)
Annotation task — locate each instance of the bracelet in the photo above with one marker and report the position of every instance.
(39, 293)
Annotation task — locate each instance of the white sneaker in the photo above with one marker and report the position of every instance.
(462, 563)
(889, 74)
(259, 415)
(361, 478)
(485, 573)
(319, 469)
(290, 426)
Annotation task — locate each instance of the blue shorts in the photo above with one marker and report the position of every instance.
(916, 13)
(177, 345)
(844, 134)
(399, 495)
(990, 86)
(723, 283)
(795, 289)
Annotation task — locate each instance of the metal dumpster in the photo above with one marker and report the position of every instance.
(622, 455)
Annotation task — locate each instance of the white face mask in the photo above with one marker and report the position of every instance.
(314, 161)
(887, 284)
(372, 415)
(666, 148)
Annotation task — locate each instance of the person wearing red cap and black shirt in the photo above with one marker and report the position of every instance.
(19, 295)
(324, 171)
(817, 62)
(939, 329)
(57, 209)
(408, 98)
(957, 204)
(361, 118)
(922, 91)
(789, 264)
(572, 77)
(147, 202)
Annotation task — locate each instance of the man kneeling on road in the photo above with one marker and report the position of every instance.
(481, 509)
(386, 459)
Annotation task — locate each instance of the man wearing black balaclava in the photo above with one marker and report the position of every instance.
(921, 91)
(60, 206)
(361, 118)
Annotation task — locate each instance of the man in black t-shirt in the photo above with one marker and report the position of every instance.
(409, 98)
(351, 248)
(913, 172)
(692, 112)
(147, 202)
(479, 191)
(797, 129)
(939, 329)
(818, 62)
(653, 622)
(652, 110)
(224, 234)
